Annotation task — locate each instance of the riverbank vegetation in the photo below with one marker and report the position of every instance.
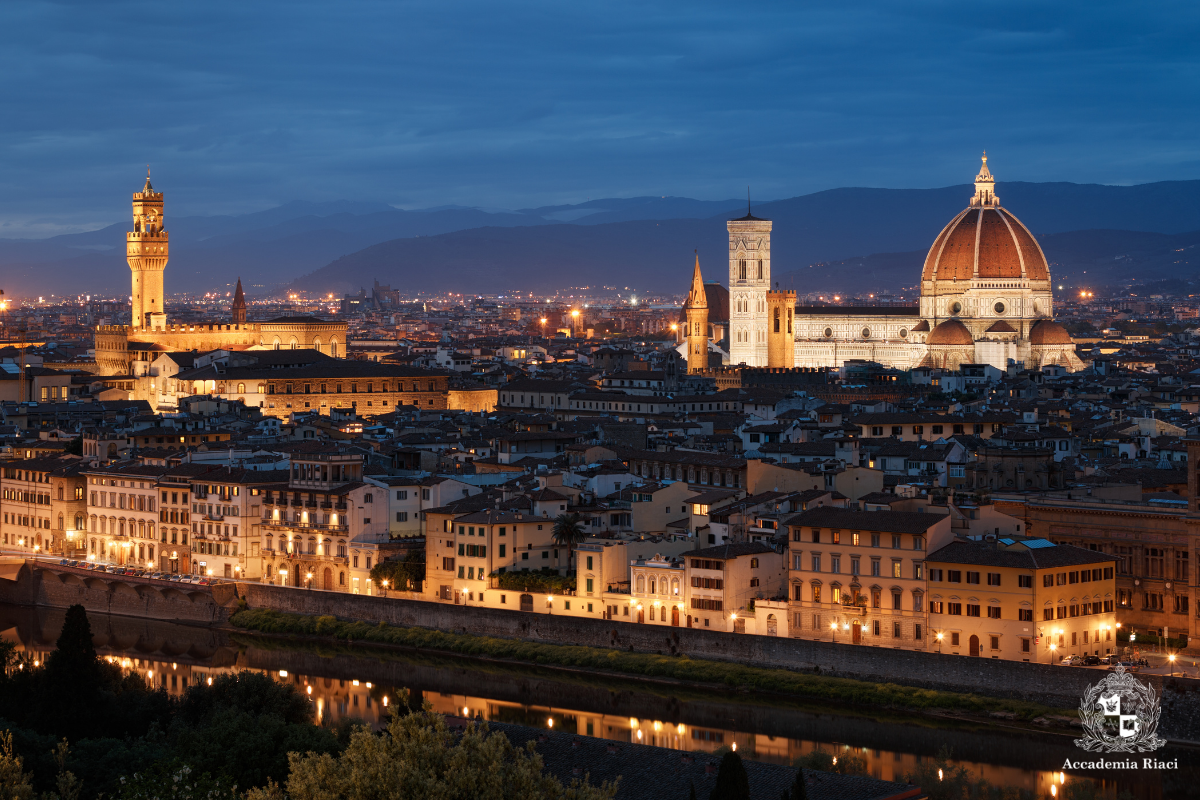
(77, 726)
(678, 668)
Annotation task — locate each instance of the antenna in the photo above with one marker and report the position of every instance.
(748, 214)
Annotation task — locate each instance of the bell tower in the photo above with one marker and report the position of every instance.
(146, 252)
(696, 312)
(781, 342)
(749, 282)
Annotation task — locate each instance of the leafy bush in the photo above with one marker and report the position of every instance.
(544, 581)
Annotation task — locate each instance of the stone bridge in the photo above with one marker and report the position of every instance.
(29, 582)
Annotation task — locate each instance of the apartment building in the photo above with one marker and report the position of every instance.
(124, 524)
(726, 584)
(226, 518)
(1021, 600)
(44, 504)
(408, 497)
(309, 526)
(859, 576)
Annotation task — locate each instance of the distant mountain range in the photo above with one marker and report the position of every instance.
(838, 240)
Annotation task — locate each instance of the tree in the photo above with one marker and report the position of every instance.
(15, 782)
(406, 575)
(799, 790)
(568, 532)
(419, 759)
(732, 782)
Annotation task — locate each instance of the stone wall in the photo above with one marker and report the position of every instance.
(1051, 685)
(37, 584)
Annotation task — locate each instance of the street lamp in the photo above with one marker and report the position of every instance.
(308, 575)
(1171, 658)
(833, 628)
(940, 636)
(283, 576)
(385, 587)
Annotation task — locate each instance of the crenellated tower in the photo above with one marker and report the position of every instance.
(146, 251)
(781, 341)
(696, 313)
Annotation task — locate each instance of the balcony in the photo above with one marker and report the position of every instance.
(318, 526)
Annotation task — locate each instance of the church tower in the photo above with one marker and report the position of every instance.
(781, 341)
(146, 252)
(696, 312)
(238, 309)
(749, 282)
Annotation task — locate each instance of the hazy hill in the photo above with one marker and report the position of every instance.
(641, 241)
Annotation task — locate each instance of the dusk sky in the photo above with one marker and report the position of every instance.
(240, 106)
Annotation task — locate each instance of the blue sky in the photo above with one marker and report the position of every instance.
(241, 106)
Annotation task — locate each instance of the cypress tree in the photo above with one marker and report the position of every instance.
(732, 782)
(799, 789)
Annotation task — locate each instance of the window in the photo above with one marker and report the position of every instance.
(954, 640)
(936, 607)
(995, 642)
(1154, 562)
(972, 577)
(935, 575)
(993, 612)
(955, 609)
(993, 579)
(401, 516)
(1181, 565)
(402, 495)
(835, 564)
(896, 567)
(1025, 581)
(1025, 614)
(972, 610)
(953, 576)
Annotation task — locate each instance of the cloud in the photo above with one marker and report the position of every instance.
(239, 106)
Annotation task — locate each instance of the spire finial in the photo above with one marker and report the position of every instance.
(985, 185)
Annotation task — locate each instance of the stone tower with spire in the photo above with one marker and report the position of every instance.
(146, 251)
(696, 312)
(238, 309)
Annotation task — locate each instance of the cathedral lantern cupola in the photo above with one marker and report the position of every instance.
(146, 251)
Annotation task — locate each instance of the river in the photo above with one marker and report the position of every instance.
(359, 682)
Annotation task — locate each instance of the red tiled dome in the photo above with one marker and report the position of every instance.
(1049, 332)
(990, 241)
(950, 332)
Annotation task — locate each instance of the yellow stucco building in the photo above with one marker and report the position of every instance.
(1021, 600)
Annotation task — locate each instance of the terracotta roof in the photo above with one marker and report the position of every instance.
(921, 327)
(951, 332)
(1049, 332)
(1001, 327)
(890, 521)
(987, 241)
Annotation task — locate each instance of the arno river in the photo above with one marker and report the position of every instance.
(361, 683)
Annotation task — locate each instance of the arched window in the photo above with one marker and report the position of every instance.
(760, 269)
(742, 269)
(641, 584)
(341, 579)
(241, 388)
(79, 522)
(312, 547)
(675, 587)
(326, 548)
(652, 586)
(777, 320)
(333, 348)
(61, 521)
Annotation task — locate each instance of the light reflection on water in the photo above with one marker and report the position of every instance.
(342, 691)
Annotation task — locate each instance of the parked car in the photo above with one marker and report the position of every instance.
(72, 563)
(1091, 661)
(1070, 661)
(156, 576)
